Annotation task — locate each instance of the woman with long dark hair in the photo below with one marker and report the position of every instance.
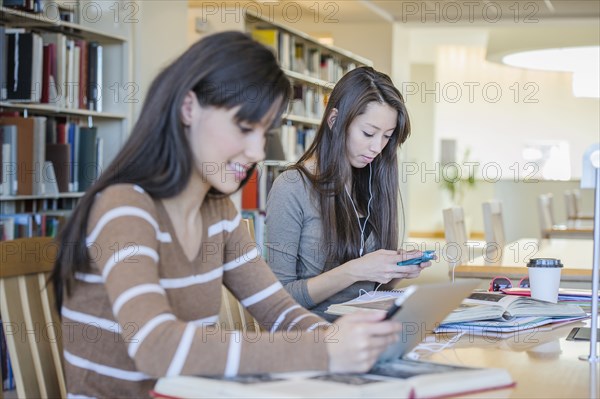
(144, 255)
(332, 218)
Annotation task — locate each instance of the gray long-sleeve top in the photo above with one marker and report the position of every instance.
(297, 247)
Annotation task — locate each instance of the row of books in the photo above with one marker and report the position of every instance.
(256, 190)
(50, 68)
(308, 101)
(303, 57)
(295, 141)
(287, 146)
(45, 156)
(25, 225)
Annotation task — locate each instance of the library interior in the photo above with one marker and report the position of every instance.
(501, 167)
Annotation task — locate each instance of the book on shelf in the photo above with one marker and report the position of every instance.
(267, 37)
(30, 152)
(83, 73)
(59, 155)
(250, 192)
(8, 139)
(400, 379)
(56, 80)
(24, 64)
(94, 77)
(3, 55)
(50, 183)
(88, 163)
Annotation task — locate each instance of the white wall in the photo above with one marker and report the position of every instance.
(160, 36)
(494, 128)
(508, 108)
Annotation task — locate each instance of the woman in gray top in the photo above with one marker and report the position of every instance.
(332, 218)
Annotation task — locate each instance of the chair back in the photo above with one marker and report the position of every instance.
(233, 315)
(493, 225)
(576, 195)
(545, 214)
(570, 204)
(455, 231)
(31, 324)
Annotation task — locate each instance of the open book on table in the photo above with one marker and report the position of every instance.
(486, 313)
(398, 379)
(500, 307)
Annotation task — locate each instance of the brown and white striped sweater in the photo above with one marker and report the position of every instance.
(146, 311)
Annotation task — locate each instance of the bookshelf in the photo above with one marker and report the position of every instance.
(99, 99)
(104, 104)
(312, 67)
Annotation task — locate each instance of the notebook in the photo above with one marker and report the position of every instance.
(424, 307)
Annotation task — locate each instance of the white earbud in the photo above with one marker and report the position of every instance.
(364, 225)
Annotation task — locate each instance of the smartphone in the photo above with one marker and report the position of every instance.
(427, 256)
(581, 334)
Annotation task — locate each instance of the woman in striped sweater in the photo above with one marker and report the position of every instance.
(143, 256)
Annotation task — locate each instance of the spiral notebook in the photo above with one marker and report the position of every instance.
(381, 300)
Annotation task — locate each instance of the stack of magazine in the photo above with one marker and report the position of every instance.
(581, 297)
(487, 312)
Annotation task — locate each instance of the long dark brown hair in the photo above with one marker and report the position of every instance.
(225, 70)
(350, 98)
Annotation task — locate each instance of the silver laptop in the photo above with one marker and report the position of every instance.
(424, 307)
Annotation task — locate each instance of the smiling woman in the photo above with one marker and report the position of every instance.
(143, 258)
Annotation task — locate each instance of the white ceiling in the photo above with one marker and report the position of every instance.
(422, 12)
(492, 11)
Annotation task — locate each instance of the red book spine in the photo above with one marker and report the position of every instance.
(250, 192)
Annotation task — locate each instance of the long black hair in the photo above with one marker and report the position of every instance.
(224, 70)
(350, 97)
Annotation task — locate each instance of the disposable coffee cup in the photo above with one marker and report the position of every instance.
(544, 278)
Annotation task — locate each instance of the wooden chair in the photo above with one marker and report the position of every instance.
(545, 214)
(570, 206)
(31, 324)
(548, 229)
(233, 316)
(456, 236)
(493, 224)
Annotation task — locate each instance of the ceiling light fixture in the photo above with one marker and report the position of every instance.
(583, 62)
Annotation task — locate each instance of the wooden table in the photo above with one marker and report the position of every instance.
(543, 363)
(575, 254)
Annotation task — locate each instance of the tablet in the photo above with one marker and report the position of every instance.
(422, 310)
